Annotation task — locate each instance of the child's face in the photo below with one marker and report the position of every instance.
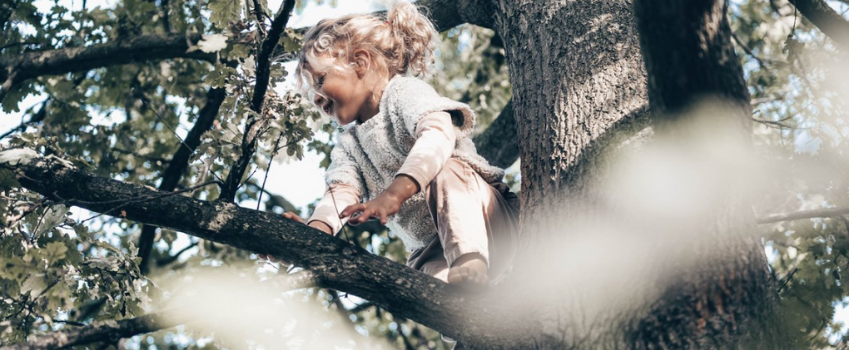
(342, 92)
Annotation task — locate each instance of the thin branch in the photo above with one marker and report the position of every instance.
(36, 118)
(786, 280)
(256, 121)
(103, 331)
(762, 100)
(826, 19)
(773, 123)
(268, 169)
(763, 63)
(804, 214)
(173, 258)
(178, 165)
(146, 102)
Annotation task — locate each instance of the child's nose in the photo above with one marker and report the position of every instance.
(319, 100)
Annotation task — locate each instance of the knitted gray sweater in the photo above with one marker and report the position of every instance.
(367, 156)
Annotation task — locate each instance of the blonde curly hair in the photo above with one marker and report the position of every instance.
(401, 43)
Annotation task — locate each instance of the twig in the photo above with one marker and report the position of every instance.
(773, 122)
(761, 62)
(267, 169)
(173, 258)
(786, 280)
(804, 214)
(162, 120)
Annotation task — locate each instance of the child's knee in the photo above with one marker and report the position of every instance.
(453, 170)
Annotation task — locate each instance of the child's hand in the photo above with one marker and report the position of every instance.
(381, 207)
(386, 204)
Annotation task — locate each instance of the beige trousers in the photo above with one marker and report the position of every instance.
(471, 216)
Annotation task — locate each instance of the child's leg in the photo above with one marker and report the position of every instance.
(468, 213)
(430, 260)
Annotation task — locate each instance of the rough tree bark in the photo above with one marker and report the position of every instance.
(728, 301)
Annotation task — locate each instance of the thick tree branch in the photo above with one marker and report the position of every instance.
(334, 263)
(447, 14)
(804, 214)
(103, 331)
(142, 48)
(826, 19)
(178, 165)
(255, 122)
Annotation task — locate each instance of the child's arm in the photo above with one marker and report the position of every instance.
(326, 215)
(435, 141)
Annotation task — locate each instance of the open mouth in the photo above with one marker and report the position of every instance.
(327, 107)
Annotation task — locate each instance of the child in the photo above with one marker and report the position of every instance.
(407, 152)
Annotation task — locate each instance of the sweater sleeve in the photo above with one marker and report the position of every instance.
(336, 198)
(435, 142)
(411, 99)
(343, 168)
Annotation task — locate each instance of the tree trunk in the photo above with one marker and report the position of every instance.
(580, 101)
(582, 90)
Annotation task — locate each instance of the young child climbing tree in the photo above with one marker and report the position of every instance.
(405, 155)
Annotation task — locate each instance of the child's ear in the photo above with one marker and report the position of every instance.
(361, 60)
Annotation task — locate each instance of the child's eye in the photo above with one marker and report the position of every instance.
(320, 81)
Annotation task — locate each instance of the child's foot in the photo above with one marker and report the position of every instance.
(469, 268)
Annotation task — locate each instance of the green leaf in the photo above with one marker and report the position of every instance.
(54, 251)
(224, 11)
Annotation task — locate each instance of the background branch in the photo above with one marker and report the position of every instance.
(499, 143)
(253, 126)
(103, 331)
(178, 165)
(826, 19)
(141, 48)
(804, 214)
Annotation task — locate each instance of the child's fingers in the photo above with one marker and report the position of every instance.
(366, 214)
(351, 209)
(292, 216)
(383, 217)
